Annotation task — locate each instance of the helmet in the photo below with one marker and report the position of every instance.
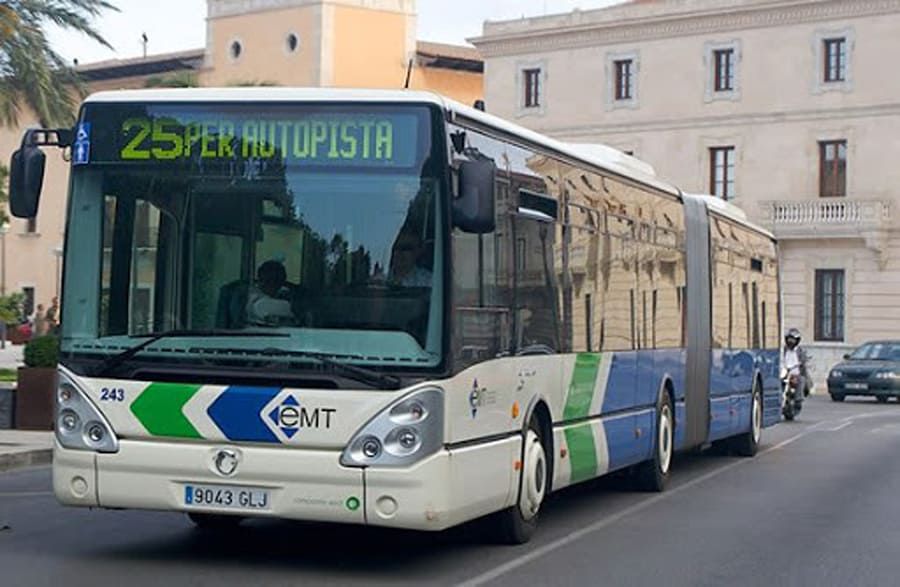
(792, 333)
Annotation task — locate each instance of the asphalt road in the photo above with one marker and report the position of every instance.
(820, 505)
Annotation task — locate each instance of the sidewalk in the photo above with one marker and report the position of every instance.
(22, 448)
(11, 356)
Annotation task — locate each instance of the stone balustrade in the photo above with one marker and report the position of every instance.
(825, 217)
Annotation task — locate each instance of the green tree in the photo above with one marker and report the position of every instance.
(32, 74)
(252, 83)
(11, 308)
(181, 79)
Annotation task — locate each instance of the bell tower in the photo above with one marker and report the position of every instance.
(326, 43)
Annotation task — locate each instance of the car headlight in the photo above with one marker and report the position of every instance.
(887, 375)
(401, 434)
(836, 374)
(79, 424)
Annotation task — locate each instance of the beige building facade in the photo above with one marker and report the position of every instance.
(310, 43)
(786, 108)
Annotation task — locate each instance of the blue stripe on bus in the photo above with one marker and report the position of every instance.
(237, 413)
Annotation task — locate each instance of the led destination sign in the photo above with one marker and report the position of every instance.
(315, 137)
(346, 140)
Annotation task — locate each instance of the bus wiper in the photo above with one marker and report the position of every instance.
(114, 361)
(370, 376)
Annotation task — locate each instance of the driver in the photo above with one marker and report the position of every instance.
(269, 299)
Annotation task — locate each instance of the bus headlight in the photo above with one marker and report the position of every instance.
(79, 424)
(401, 434)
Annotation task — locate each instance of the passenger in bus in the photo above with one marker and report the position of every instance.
(409, 261)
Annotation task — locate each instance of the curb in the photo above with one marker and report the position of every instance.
(25, 458)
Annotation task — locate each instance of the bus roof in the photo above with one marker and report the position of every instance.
(727, 210)
(597, 155)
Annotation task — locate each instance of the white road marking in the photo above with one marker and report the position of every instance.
(841, 427)
(603, 522)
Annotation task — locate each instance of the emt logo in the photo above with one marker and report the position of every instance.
(285, 416)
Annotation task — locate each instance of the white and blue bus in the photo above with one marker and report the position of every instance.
(385, 308)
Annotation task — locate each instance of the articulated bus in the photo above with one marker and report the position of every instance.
(385, 308)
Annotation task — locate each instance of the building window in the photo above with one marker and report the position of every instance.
(292, 42)
(532, 88)
(723, 63)
(235, 49)
(31, 225)
(624, 72)
(832, 169)
(835, 54)
(829, 305)
(721, 172)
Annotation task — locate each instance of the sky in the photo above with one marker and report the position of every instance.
(175, 25)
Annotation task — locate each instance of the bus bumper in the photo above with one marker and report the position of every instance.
(302, 484)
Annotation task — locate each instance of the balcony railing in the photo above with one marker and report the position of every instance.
(831, 218)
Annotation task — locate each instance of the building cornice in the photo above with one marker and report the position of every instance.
(225, 8)
(750, 119)
(546, 34)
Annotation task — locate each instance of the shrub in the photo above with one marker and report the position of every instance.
(42, 351)
(11, 308)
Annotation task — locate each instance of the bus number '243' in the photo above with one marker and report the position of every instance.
(112, 394)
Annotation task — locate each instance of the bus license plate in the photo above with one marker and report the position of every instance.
(856, 385)
(226, 496)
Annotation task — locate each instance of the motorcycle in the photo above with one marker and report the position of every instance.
(790, 403)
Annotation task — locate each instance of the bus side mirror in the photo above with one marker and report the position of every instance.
(26, 177)
(473, 209)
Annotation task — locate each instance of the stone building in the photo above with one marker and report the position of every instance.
(786, 108)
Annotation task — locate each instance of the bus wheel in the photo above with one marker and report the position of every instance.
(518, 523)
(747, 444)
(652, 475)
(216, 522)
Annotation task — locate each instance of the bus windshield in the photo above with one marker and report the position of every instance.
(318, 223)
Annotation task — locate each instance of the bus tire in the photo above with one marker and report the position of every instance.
(517, 524)
(747, 443)
(215, 522)
(653, 475)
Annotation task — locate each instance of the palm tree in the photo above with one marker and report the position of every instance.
(32, 74)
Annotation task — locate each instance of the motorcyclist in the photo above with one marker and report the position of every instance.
(796, 362)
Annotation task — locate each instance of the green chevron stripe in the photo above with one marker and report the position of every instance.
(159, 409)
(580, 439)
(582, 454)
(581, 389)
